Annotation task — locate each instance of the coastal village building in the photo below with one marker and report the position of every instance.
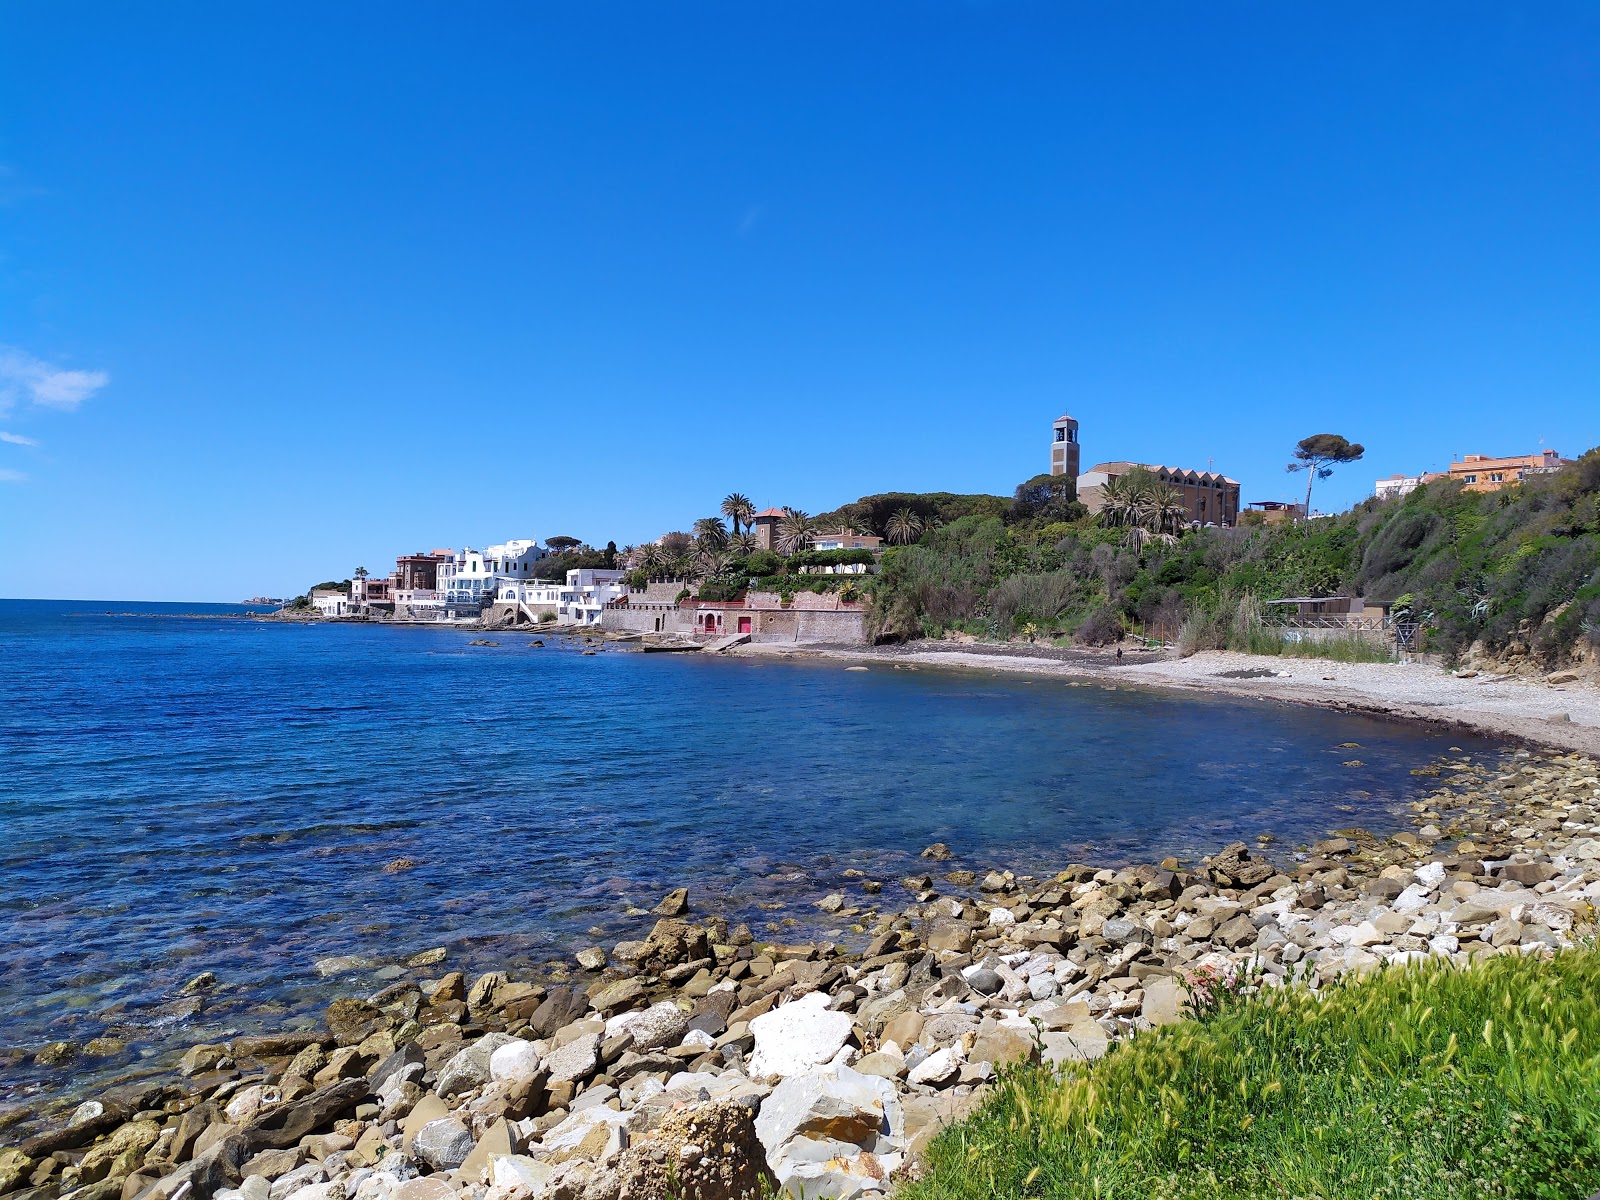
(472, 577)
(371, 595)
(1399, 485)
(331, 602)
(845, 539)
(764, 525)
(420, 571)
(1482, 473)
(578, 601)
(804, 619)
(1208, 498)
(1476, 473)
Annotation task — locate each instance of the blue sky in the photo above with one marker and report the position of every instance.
(287, 288)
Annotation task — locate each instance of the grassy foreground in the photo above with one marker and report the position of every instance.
(1431, 1081)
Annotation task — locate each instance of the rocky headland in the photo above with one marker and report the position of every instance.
(700, 1062)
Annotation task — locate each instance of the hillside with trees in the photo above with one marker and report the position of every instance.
(1514, 573)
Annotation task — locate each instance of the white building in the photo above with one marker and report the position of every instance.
(579, 601)
(473, 577)
(1396, 485)
(331, 602)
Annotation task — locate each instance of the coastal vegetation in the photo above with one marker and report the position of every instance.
(1515, 572)
(1427, 1081)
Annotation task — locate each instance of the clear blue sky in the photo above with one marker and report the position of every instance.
(289, 287)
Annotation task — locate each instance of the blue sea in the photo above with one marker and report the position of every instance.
(186, 790)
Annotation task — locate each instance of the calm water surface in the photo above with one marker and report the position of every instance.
(183, 794)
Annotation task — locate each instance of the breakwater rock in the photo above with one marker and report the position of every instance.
(699, 1062)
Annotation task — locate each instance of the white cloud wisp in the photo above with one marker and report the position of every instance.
(26, 378)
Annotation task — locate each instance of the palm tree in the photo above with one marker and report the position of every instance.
(1119, 498)
(743, 544)
(653, 559)
(1170, 511)
(361, 572)
(903, 527)
(712, 560)
(737, 508)
(711, 532)
(794, 530)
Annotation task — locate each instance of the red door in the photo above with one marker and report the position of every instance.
(744, 624)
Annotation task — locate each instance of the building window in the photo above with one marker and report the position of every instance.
(1497, 476)
(1470, 479)
(1061, 435)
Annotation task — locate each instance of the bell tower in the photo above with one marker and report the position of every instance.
(1064, 447)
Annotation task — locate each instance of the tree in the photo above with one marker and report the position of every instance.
(738, 509)
(794, 530)
(560, 545)
(1318, 454)
(903, 527)
(1053, 497)
(611, 556)
(711, 533)
(1162, 510)
(1119, 500)
(361, 572)
(743, 544)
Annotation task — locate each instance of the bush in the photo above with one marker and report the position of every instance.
(1431, 1082)
(1103, 626)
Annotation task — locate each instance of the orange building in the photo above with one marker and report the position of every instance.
(1481, 473)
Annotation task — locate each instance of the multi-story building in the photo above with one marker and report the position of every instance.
(1208, 498)
(420, 571)
(1399, 485)
(472, 577)
(369, 594)
(1484, 473)
(764, 525)
(1064, 448)
(578, 601)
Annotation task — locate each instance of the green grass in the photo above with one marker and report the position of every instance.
(1432, 1081)
(1349, 648)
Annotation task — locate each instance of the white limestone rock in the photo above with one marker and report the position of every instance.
(798, 1036)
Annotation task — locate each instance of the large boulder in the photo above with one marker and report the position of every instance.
(575, 1061)
(1232, 867)
(660, 1025)
(514, 1060)
(832, 1132)
(675, 941)
(443, 1144)
(469, 1068)
(798, 1036)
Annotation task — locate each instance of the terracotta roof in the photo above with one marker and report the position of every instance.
(770, 512)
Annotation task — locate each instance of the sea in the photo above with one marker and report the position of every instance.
(299, 808)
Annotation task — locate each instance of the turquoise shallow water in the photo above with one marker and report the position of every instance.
(183, 794)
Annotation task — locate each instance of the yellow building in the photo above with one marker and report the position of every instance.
(1482, 473)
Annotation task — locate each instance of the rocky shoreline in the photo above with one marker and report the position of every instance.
(699, 1062)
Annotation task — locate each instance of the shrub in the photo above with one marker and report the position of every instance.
(1103, 626)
